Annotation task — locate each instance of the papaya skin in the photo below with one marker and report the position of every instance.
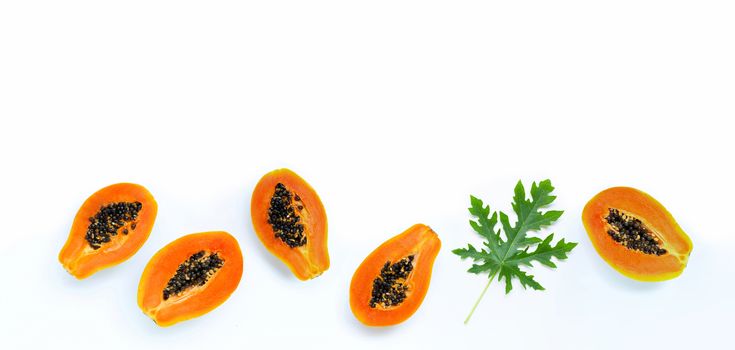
(80, 259)
(305, 262)
(198, 300)
(419, 240)
(631, 263)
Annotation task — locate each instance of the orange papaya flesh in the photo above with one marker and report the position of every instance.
(636, 235)
(390, 284)
(109, 228)
(189, 277)
(290, 220)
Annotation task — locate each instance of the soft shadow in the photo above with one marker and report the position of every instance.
(142, 324)
(616, 279)
(279, 267)
(363, 329)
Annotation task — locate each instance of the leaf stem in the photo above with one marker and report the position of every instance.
(481, 296)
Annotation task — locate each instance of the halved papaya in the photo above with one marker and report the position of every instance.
(391, 283)
(636, 235)
(190, 277)
(112, 224)
(290, 220)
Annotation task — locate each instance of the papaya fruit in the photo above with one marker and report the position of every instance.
(391, 283)
(289, 219)
(189, 277)
(109, 228)
(636, 235)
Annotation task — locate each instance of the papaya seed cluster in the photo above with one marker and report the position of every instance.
(106, 223)
(195, 271)
(389, 288)
(283, 218)
(632, 233)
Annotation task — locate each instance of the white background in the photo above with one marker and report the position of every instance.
(395, 111)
